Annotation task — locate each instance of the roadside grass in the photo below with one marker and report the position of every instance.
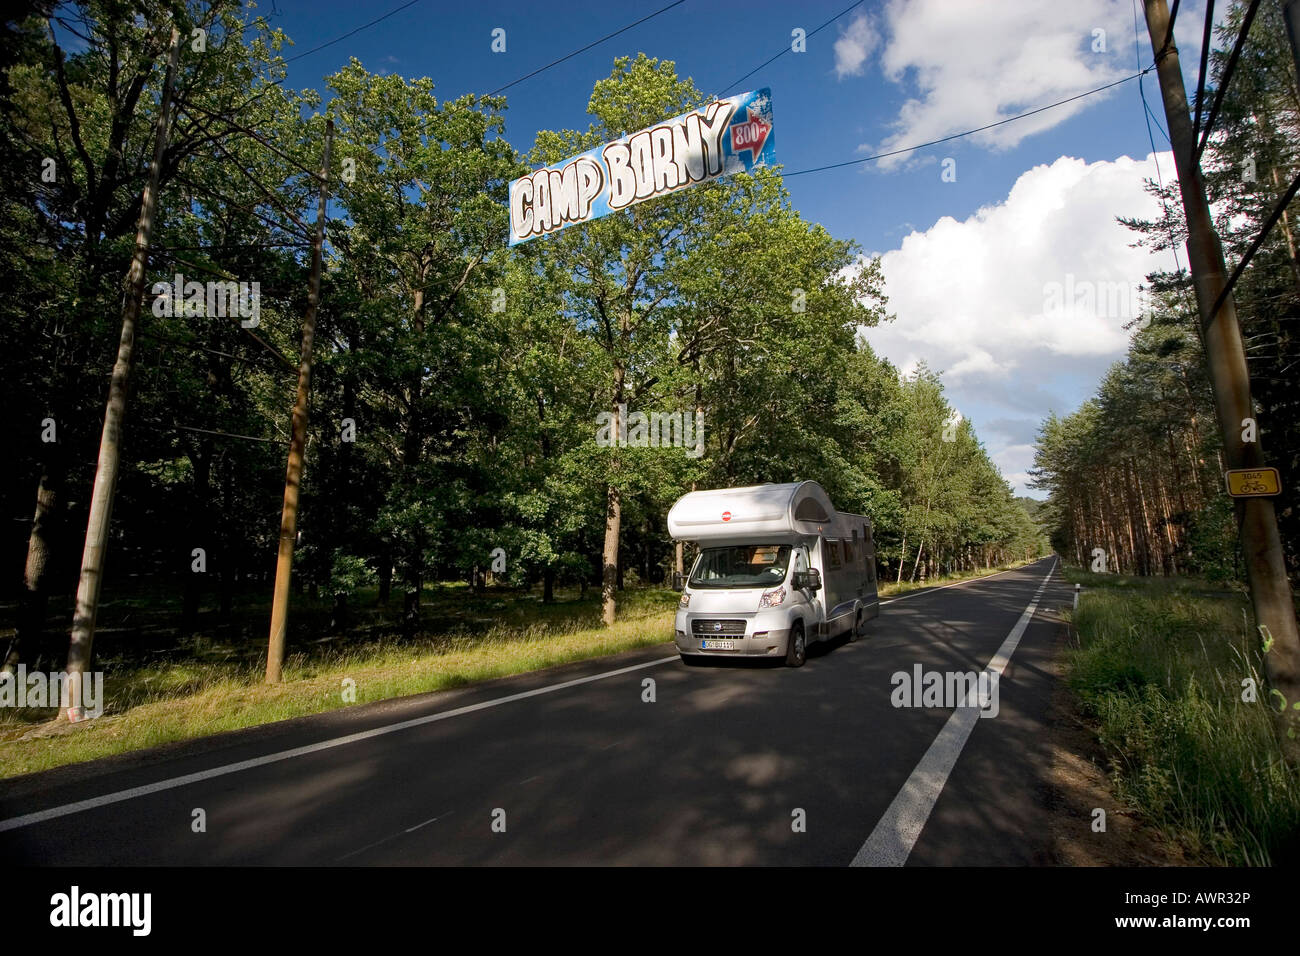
(151, 704)
(1159, 671)
(889, 589)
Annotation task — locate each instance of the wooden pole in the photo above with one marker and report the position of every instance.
(1270, 591)
(298, 440)
(82, 637)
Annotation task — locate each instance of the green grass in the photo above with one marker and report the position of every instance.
(151, 704)
(1159, 670)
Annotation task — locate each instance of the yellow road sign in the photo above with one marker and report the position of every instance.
(1253, 482)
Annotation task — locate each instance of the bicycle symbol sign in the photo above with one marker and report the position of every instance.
(1253, 482)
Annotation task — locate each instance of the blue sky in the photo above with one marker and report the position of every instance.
(991, 275)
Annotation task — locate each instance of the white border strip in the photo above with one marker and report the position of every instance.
(892, 840)
(53, 813)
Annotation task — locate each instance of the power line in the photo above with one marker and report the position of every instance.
(1206, 40)
(786, 49)
(194, 345)
(208, 431)
(1226, 78)
(185, 106)
(1278, 210)
(570, 56)
(364, 26)
(969, 132)
(1154, 119)
(411, 3)
(1137, 53)
(165, 427)
(231, 246)
(1169, 33)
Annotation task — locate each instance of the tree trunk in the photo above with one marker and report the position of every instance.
(198, 535)
(228, 561)
(288, 540)
(411, 453)
(1286, 231)
(609, 576)
(613, 513)
(28, 645)
(81, 640)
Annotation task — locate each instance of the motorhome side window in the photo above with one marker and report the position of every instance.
(832, 552)
(743, 566)
(848, 552)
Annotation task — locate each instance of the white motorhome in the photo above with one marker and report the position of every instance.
(778, 568)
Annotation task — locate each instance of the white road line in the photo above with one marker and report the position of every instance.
(954, 585)
(26, 820)
(391, 836)
(427, 822)
(896, 833)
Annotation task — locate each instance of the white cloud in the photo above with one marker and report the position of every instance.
(1023, 304)
(964, 65)
(853, 47)
(1014, 462)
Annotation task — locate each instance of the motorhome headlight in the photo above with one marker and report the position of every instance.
(686, 599)
(772, 598)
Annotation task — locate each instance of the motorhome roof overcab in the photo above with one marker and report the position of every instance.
(778, 567)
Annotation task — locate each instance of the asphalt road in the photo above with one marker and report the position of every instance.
(714, 771)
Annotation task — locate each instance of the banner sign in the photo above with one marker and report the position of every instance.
(724, 137)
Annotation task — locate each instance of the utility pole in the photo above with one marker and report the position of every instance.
(298, 441)
(1225, 356)
(82, 637)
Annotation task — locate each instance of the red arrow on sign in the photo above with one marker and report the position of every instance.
(750, 135)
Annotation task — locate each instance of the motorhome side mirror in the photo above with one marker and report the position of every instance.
(812, 580)
(677, 580)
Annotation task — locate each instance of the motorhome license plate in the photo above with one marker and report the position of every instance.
(717, 645)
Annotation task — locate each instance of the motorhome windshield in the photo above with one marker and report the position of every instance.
(747, 566)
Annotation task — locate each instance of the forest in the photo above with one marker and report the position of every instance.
(457, 385)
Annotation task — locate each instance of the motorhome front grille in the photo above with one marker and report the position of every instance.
(717, 627)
